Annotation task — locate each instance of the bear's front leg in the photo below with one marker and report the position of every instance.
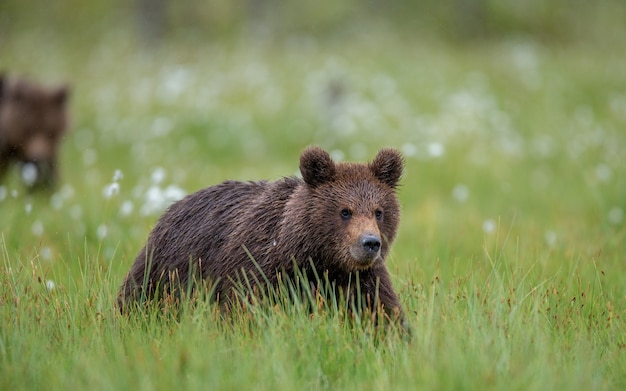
(376, 283)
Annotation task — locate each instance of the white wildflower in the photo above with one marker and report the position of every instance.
(102, 231)
(550, 238)
(409, 149)
(46, 253)
(37, 228)
(111, 190)
(603, 173)
(29, 174)
(117, 176)
(126, 208)
(489, 226)
(158, 175)
(616, 215)
(436, 149)
(460, 192)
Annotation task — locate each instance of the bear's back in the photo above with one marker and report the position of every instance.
(216, 222)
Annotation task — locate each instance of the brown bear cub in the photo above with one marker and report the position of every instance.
(336, 224)
(33, 120)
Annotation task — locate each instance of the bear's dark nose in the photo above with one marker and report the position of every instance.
(371, 243)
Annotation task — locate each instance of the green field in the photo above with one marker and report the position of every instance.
(511, 254)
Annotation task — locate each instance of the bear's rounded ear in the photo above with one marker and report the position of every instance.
(387, 166)
(316, 166)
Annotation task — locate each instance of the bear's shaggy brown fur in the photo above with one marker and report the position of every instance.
(340, 219)
(33, 120)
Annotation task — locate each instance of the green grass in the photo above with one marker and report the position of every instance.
(510, 255)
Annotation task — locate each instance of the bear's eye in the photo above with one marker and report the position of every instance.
(346, 214)
(378, 214)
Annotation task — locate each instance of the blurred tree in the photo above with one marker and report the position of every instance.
(151, 16)
(554, 21)
(471, 18)
(257, 11)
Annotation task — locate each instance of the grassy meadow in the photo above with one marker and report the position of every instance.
(510, 259)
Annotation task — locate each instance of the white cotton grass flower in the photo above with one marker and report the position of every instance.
(127, 208)
(58, 198)
(436, 149)
(102, 231)
(153, 201)
(37, 228)
(118, 175)
(157, 199)
(460, 192)
(90, 156)
(50, 285)
(174, 193)
(603, 173)
(45, 253)
(158, 175)
(161, 126)
(28, 208)
(76, 212)
(409, 149)
(489, 226)
(110, 190)
(56, 201)
(29, 174)
(551, 238)
(616, 215)
(113, 188)
(337, 155)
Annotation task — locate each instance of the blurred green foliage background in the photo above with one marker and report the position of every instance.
(512, 119)
(556, 21)
(505, 110)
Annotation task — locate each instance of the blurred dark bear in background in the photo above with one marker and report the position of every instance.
(33, 121)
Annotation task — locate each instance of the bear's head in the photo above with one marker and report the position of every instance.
(353, 207)
(33, 119)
